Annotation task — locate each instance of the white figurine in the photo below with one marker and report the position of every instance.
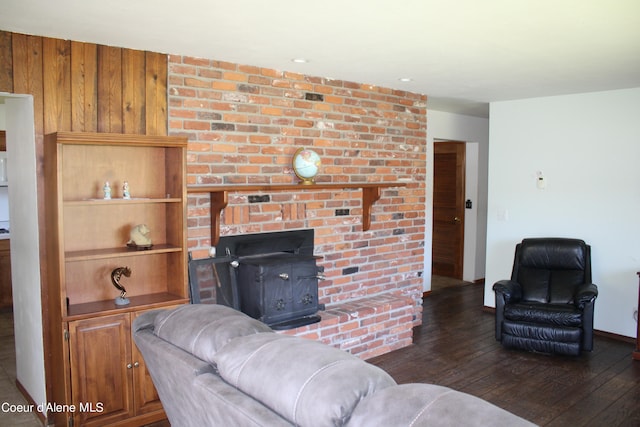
(107, 190)
(125, 190)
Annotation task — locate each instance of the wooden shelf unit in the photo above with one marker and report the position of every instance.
(86, 240)
(219, 196)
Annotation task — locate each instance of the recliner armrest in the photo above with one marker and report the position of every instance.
(511, 291)
(585, 294)
(507, 291)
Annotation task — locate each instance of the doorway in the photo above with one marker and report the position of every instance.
(448, 208)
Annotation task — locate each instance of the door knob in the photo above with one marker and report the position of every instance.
(456, 220)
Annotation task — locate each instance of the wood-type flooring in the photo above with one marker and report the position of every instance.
(455, 347)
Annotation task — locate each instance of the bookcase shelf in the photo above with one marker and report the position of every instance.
(105, 202)
(77, 256)
(87, 238)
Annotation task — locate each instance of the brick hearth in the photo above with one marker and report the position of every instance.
(366, 327)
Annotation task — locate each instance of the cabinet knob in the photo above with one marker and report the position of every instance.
(129, 366)
(136, 364)
(283, 276)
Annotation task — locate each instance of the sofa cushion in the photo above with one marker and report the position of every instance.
(203, 329)
(306, 382)
(421, 405)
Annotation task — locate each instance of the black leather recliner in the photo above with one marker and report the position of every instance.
(547, 306)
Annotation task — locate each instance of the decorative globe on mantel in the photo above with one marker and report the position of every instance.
(306, 165)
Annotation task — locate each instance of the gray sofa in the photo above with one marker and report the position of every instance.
(215, 366)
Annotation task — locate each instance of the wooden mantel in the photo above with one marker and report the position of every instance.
(219, 196)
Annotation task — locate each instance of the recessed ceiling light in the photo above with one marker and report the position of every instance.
(300, 60)
(405, 79)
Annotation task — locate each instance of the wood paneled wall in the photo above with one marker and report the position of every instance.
(81, 87)
(86, 87)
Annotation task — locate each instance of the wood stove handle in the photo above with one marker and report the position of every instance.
(319, 276)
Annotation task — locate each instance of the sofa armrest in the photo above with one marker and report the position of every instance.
(585, 294)
(511, 290)
(145, 320)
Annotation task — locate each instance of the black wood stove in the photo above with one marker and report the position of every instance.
(276, 276)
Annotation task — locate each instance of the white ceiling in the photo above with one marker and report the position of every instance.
(462, 54)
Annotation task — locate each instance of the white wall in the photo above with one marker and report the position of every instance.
(25, 252)
(475, 131)
(588, 147)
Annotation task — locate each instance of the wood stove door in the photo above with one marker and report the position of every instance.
(276, 292)
(304, 281)
(264, 294)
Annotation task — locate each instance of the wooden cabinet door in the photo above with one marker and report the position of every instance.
(101, 369)
(146, 397)
(6, 299)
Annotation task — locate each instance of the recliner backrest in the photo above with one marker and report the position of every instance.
(550, 269)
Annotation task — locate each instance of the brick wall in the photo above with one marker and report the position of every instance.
(244, 123)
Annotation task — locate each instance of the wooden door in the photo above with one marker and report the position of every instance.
(448, 208)
(101, 371)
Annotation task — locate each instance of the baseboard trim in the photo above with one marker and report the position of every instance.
(426, 294)
(30, 401)
(616, 337)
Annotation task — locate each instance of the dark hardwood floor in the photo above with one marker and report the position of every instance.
(455, 347)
